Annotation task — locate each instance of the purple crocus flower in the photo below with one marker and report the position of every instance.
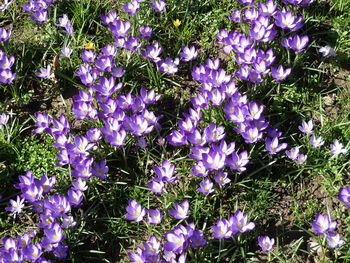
(285, 20)
(158, 5)
(199, 169)
(120, 28)
(177, 138)
(57, 205)
(296, 43)
(181, 211)
(165, 172)
(197, 239)
(252, 135)
(344, 196)
(168, 66)
(32, 252)
(251, 14)
(293, 153)
(138, 257)
(12, 255)
(4, 119)
(6, 62)
(110, 18)
(221, 178)
(131, 43)
(66, 52)
(246, 2)
(175, 242)
(145, 32)
(80, 185)
(4, 34)
(269, 9)
(16, 206)
(47, 221)
(25, 180)
(65, 23)
(152, 247)
(88, 55)
(40, 16)
(54, 234)
(155, 216)
(323, 224)
(255, 110)
(213, 133)
(47, 183)
(327, 51)
(273, 146)
(316, 141)
(206, 187)
(306, 127)
(237, 161)
(75, 197)
(60, 251)
(134, 211)
(266, 243)
(6, 76)
(44, 73)
(131, 7)
(280, 73)
(222, 229)
(104, 63)
(235, 16)
(117, 138)
(32, 193)
(100, 169)
(214, 160)
(239, 223)
(156, 186)
(188, 53)
(8, 243)
(337, 148)
(301, 159)
(186, 126)
(68, 221)
(93, 134)
(334, 240)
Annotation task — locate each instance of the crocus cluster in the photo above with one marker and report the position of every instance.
(121, 32)
(120, 113)
(53, 211)
(39, 9)
(173, 250)
(306, 127)
(324, 226)
(210, 151)
(6, 63)
(53, 208)
(265, 20)
(237, 223)
(164, 174)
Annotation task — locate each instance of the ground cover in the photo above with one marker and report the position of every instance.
(184, 131)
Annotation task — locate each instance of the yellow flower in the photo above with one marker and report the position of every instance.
(89, 45)
(177, 22)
